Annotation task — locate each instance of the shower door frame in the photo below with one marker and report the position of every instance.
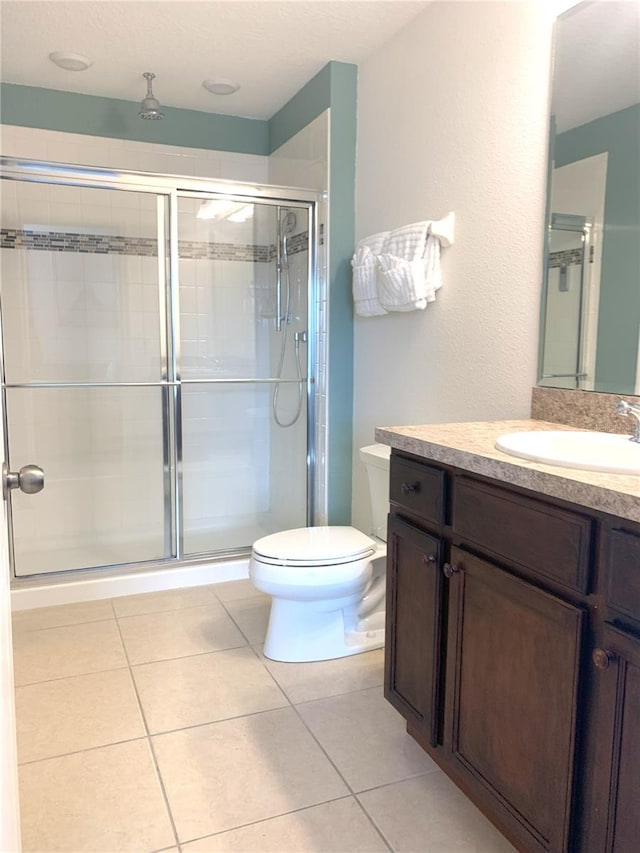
(172, 187)
(576, 224)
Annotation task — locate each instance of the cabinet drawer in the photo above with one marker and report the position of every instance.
(623, 584)
(553, 542)
(418, 488)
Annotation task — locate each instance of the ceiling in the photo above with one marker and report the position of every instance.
(597, 63)
(271, 48)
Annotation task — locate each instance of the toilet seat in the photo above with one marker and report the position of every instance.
(314, 546)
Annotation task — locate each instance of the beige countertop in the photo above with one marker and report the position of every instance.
(471, 446)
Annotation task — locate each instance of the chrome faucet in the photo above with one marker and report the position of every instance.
(626, 408)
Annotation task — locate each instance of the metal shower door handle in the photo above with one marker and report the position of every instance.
(29, 479)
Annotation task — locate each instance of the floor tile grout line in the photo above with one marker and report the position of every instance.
(375, 826)
(210, 604)
(215, 722)
(111, 601)
(381, 787)
(237, 624)
(323, 750)
(73, 675)
(267, 819)
(261, 657)
(17, 631)
(81, 751)
(353, 792)
(338, 695)
(436, 769)
(182, 657)
(150, 741)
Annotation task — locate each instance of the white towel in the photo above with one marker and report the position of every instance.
(409, 285)
(402, 284)
(365, 265)
(432, 271)
(408, 242)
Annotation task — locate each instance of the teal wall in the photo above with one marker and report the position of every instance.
(50, 109)
(334, 87)
(619, 315)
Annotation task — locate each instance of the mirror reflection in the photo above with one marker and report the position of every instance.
(590, 328)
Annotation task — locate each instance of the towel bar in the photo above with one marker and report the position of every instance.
(443, 229)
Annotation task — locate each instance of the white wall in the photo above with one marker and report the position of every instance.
(453, 115)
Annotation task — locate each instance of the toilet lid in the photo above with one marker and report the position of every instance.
(315, 545)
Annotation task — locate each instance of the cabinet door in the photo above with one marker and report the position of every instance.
(413, 633)
(512, 675)
(615, 820)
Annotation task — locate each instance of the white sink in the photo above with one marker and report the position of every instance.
(591, 451)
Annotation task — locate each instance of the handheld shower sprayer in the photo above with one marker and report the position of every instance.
(286, 226)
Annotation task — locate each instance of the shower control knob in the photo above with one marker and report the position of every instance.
(29, 479)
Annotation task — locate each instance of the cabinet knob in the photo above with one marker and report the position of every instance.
(450, 569)
(601, 658)
(410, 488)
(428, 559)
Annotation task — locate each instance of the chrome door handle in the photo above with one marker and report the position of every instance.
(29, 479)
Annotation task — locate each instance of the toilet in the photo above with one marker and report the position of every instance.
(327, 584)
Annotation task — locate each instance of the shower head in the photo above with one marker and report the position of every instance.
(150, 106)
(289, 222)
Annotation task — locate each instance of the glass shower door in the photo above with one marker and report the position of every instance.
(566, 302)
(244, 280)
(86, 393)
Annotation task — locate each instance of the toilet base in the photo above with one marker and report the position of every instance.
(301, 632)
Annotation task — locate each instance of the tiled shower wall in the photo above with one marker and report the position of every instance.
(129, 215)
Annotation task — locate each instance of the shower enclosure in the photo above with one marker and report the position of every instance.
(570, 309)
(157, 364)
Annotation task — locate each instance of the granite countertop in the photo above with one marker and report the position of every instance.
(471, 446)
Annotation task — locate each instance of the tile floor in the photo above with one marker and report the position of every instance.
(153, 722)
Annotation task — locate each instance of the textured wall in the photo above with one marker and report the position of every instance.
(453, 115)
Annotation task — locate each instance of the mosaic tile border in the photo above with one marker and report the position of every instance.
(568, 257)
(108, 244)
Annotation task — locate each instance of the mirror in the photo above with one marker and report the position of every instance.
(590, 318)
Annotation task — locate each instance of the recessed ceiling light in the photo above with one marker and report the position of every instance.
(71, 61)
(220, 87)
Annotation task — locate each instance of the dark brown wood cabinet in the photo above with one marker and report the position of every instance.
(413, 639)
(615, 816)
(513, 658)
(513, 652)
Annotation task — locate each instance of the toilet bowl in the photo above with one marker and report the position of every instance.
(327, 583)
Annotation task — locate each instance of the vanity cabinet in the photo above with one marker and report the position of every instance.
(414, 634)
(615, 815)
(513, 652)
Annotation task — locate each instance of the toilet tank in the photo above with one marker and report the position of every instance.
(376, 460)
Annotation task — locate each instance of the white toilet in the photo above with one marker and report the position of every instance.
(327, 583)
